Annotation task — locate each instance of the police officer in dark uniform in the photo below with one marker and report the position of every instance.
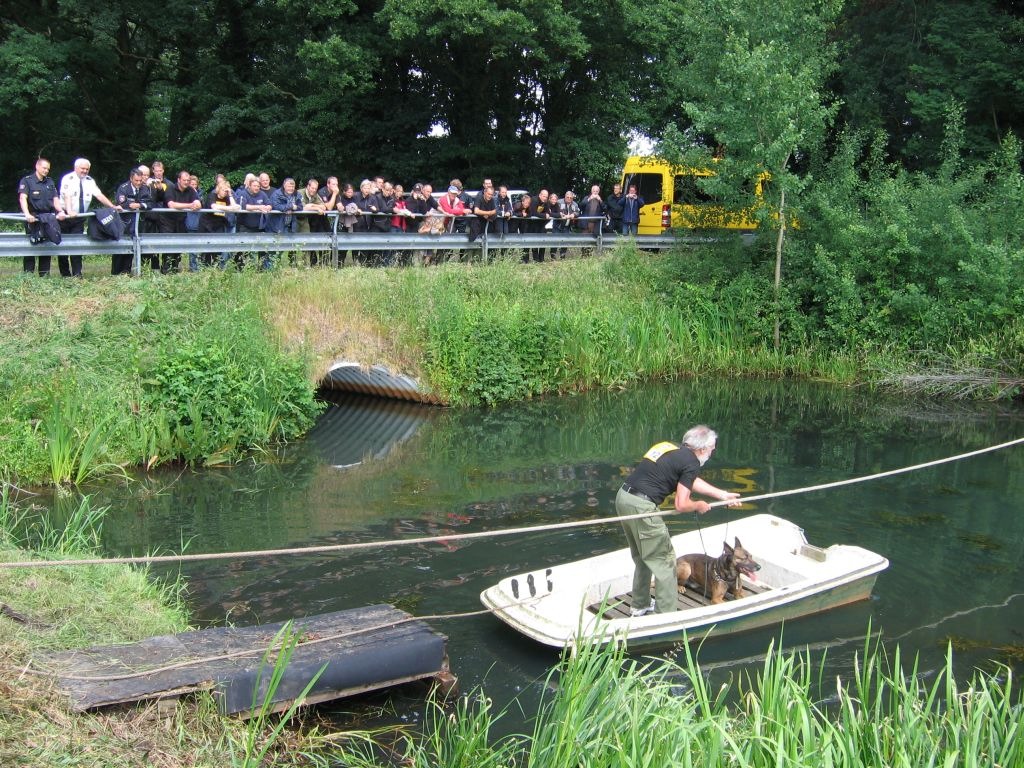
(38, 194)
(132, 195)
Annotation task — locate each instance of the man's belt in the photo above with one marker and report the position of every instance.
(639, 494)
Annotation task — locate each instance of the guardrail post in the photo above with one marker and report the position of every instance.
(334, 238)
(600, 236)
(136, 247)
(483, 243)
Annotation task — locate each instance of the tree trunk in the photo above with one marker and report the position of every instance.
(778, 266)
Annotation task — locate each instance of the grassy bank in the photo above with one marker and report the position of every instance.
(487, 334)
(109, 373)
(106, 373)
(50, 609)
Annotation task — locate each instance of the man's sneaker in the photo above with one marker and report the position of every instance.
(635, 612)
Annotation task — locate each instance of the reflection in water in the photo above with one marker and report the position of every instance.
(954, 534)
(356, 429)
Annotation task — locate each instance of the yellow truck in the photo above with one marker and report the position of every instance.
(673, 199)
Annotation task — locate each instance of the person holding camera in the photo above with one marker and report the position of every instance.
(631, 205)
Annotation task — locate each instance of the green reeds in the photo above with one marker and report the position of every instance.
(74, 452)
(80, 531)
(611, 711)
(73, 527)
(10, 517)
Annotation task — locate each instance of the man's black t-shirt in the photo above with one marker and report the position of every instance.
(662, 468)
(176, 195)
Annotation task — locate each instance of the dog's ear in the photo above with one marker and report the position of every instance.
(737, 542)
(726, 548)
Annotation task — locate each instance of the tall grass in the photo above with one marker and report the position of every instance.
(75, 453)
(454, 737)
(610, 711)
(486, 334)
(79, 606)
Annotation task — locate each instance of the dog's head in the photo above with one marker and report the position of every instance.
(738, 559)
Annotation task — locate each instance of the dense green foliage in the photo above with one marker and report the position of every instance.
(608, 711)
(913, 264)
(904, 60)
(99, 377)
(918, 260)
(529, 92)
(502, 332)
(534, 93)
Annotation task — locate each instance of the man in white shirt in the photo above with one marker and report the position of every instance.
(77, 190)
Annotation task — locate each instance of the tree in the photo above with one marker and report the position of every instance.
(74, 80)
(753, 79)
(905, 59)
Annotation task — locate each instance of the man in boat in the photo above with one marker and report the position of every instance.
(664, 469)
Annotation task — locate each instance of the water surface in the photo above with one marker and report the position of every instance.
(375, 470)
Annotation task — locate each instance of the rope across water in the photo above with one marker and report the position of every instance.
(183, 558)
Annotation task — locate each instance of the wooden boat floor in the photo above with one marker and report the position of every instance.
(618, 607)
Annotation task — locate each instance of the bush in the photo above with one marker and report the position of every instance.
(487, 345)
(101, 374)
(214, 401)
(912, 260)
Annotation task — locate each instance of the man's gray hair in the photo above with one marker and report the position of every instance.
(699, 437)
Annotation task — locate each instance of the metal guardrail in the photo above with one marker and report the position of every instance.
(336, 243)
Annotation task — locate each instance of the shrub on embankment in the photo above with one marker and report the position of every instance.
(921, 271)
(100, 374)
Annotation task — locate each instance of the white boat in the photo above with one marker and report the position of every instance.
(590, 599)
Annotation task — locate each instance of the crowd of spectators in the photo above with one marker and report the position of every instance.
(153, 203)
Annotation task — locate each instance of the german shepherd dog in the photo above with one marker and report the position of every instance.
(716, 575)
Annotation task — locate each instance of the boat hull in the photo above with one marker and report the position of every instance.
(806, 606)
(588, 600)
